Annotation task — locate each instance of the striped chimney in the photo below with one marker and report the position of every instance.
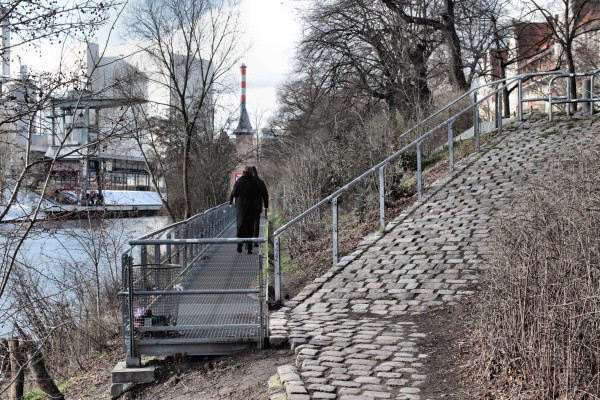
(244, 126)
(243, 85)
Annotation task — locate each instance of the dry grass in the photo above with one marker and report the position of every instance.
(540, 329)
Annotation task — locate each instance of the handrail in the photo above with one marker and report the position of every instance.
(500, 86)
(176, 224)
(567, 98)
(171, 285)
(347, 186)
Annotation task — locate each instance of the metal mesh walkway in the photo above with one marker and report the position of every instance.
(199, 296)
(222, 268)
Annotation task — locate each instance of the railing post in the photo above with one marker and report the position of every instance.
(569, 104)
(500, 113)
(496, 105)
(195, 234)
(157, 254)
(132, 360)
(476, 127)
(177, 249)
(157, 274)
(261, 330)
(381, 198)
(277, 277)
(334, 225)
(592, 95)
(143, 264)
(169, 250)
(520, 99)
(550, 88)
(186, 249)
(451, 146)
(419, 172)
(124, 285)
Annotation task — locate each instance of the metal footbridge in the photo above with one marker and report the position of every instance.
(187, 290)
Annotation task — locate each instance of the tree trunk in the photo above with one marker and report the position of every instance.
(185, 172)
(42, 378)
(506, 104)
(457, 72)
(17, 374)
(572, 81)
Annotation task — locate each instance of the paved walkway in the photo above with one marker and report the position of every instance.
(346, 327)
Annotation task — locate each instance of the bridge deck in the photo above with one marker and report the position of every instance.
(212, 318)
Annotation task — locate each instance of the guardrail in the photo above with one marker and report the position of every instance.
(209, 224)
(587, 92)
(477, 96)
(151, 305)
(171, 250)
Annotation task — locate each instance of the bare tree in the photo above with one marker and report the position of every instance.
(521, 45)
(32, 25)
(191, 45)
(572, 24)
(362, 52)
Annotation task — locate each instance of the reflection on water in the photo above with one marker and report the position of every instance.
(61, 256)
(73, 240)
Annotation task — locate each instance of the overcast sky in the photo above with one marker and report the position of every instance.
(272, 31)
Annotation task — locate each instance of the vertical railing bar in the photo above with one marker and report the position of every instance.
(419, 172)
(381, 197)
(178, 249)
(500, 112)
(261, 331)
(169, 250)
(266, 270)
(496, 107)
(334, 224)
(157, 254)
(143, 264)
(132, 360)
(592, 94)
(451, 146)
(277, 277)
(569, 104)
(550, 88)
(124, 311)
(186, 249)
(520, 99)
(476, 127)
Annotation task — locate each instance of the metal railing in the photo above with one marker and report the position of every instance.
(566, 99)
(477, 96)
(166, 267)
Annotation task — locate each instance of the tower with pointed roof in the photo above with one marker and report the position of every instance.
(244, 127)
(244, 134)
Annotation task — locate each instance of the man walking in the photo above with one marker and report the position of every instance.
(245, 193)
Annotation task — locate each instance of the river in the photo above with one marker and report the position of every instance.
(58, 255)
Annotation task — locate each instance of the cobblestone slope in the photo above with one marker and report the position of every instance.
(347, 327)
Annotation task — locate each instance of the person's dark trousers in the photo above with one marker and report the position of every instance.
(256, 225)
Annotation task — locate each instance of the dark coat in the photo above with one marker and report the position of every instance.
(246, 194)
(263, 195)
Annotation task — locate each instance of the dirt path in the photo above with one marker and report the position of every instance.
(243, 375)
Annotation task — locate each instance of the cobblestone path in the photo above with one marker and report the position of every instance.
(346, 327)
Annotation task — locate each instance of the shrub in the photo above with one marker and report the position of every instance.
(540, 326)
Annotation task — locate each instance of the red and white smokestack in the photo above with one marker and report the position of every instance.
(243, 86)
(244, 126)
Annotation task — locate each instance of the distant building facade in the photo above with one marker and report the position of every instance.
(533, 47)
